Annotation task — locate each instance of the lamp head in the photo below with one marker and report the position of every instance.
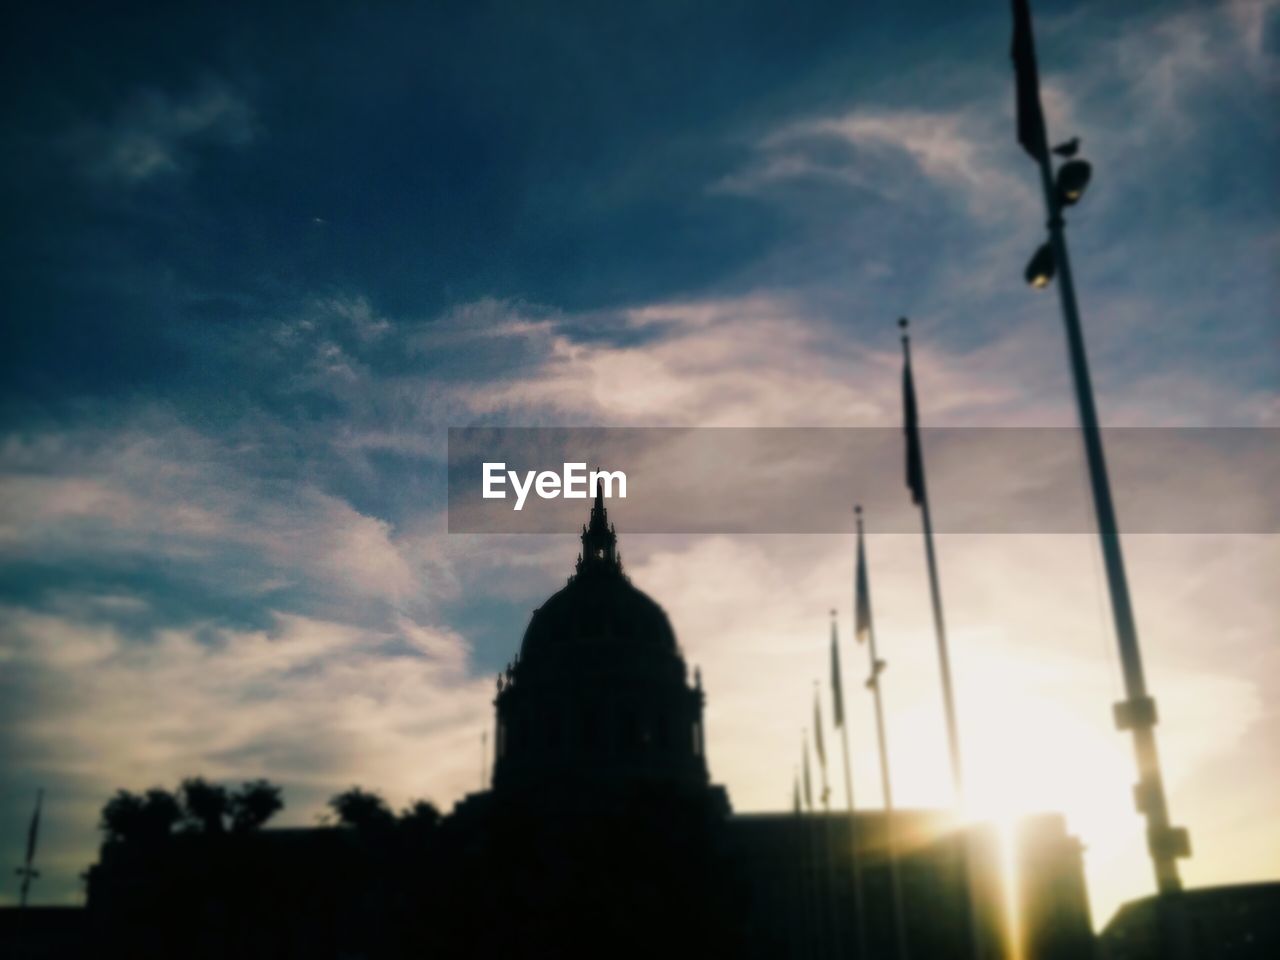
(1073, 178)
(1041, 268)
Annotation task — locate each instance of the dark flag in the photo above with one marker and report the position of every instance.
(1031, 131)
(818, 746)
(862, 608)
(795, 795)
(808, 782)
(911, 427)
(837, 688)
(33, 832)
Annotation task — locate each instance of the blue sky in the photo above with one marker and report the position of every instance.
(257, 262)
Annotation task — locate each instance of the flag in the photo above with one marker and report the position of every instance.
(1031, 132)
(818, 746)
(808, 782)
(862, 608)
(33, 832)
(911, 427)
(795, 794)
(837, 689)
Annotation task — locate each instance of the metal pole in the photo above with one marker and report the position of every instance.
(855, 854)
(895, 881)
(799, 940)
(833, 915)
(1138, 712)
(944, 667)
(939, 623)
(821, 945)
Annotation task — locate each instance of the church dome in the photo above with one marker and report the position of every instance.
(599, 693)
(599, 615)
(598, 609)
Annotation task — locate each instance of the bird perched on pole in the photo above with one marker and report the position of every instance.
(1068, 148)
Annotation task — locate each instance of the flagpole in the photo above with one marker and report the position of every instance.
(1137, 713)
(27, 871)
(802, 936)
(873, 684)
(833, 916)
(855, 854)
(918, 484)
(818, 923)
(920, 491)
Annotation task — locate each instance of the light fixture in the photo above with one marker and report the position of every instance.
(1041, 268)
(1073, 177)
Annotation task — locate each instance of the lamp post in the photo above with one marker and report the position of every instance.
(1137, 712)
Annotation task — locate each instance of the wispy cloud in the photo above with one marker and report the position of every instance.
(955, 150)
(156, 133)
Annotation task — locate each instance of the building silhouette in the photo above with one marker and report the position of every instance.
(1231, 922)
(602, 835)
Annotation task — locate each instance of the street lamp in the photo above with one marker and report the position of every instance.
(1068, 187)
(1041, 268)
(1137, 712)
(1073, 177)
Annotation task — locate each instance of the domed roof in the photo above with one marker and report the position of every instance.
(597, 609)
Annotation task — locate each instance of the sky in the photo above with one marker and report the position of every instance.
(257, 262)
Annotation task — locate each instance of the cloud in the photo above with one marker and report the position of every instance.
(955, 150)
(312, 704)
(157, 490)
(156, 134)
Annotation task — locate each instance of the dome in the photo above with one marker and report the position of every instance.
(599, 693)
(598, 610)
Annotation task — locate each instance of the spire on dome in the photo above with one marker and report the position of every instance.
(599, 516)
(599, 539)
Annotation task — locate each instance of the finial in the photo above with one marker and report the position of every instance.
(833, 613)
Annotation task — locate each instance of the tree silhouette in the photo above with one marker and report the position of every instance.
(206, 804)
(160, 811)
(128, 817)
(419, 819)
(362, 810)
(203, 806)
(122, 816)
(256, 802)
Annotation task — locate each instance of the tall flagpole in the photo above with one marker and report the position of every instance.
(818, 924)
(828, 852)
(802, 935)
(919, 488)
(855, 852)
(27, 871)
(920, 496)
(1137, 713)
(866, 624)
